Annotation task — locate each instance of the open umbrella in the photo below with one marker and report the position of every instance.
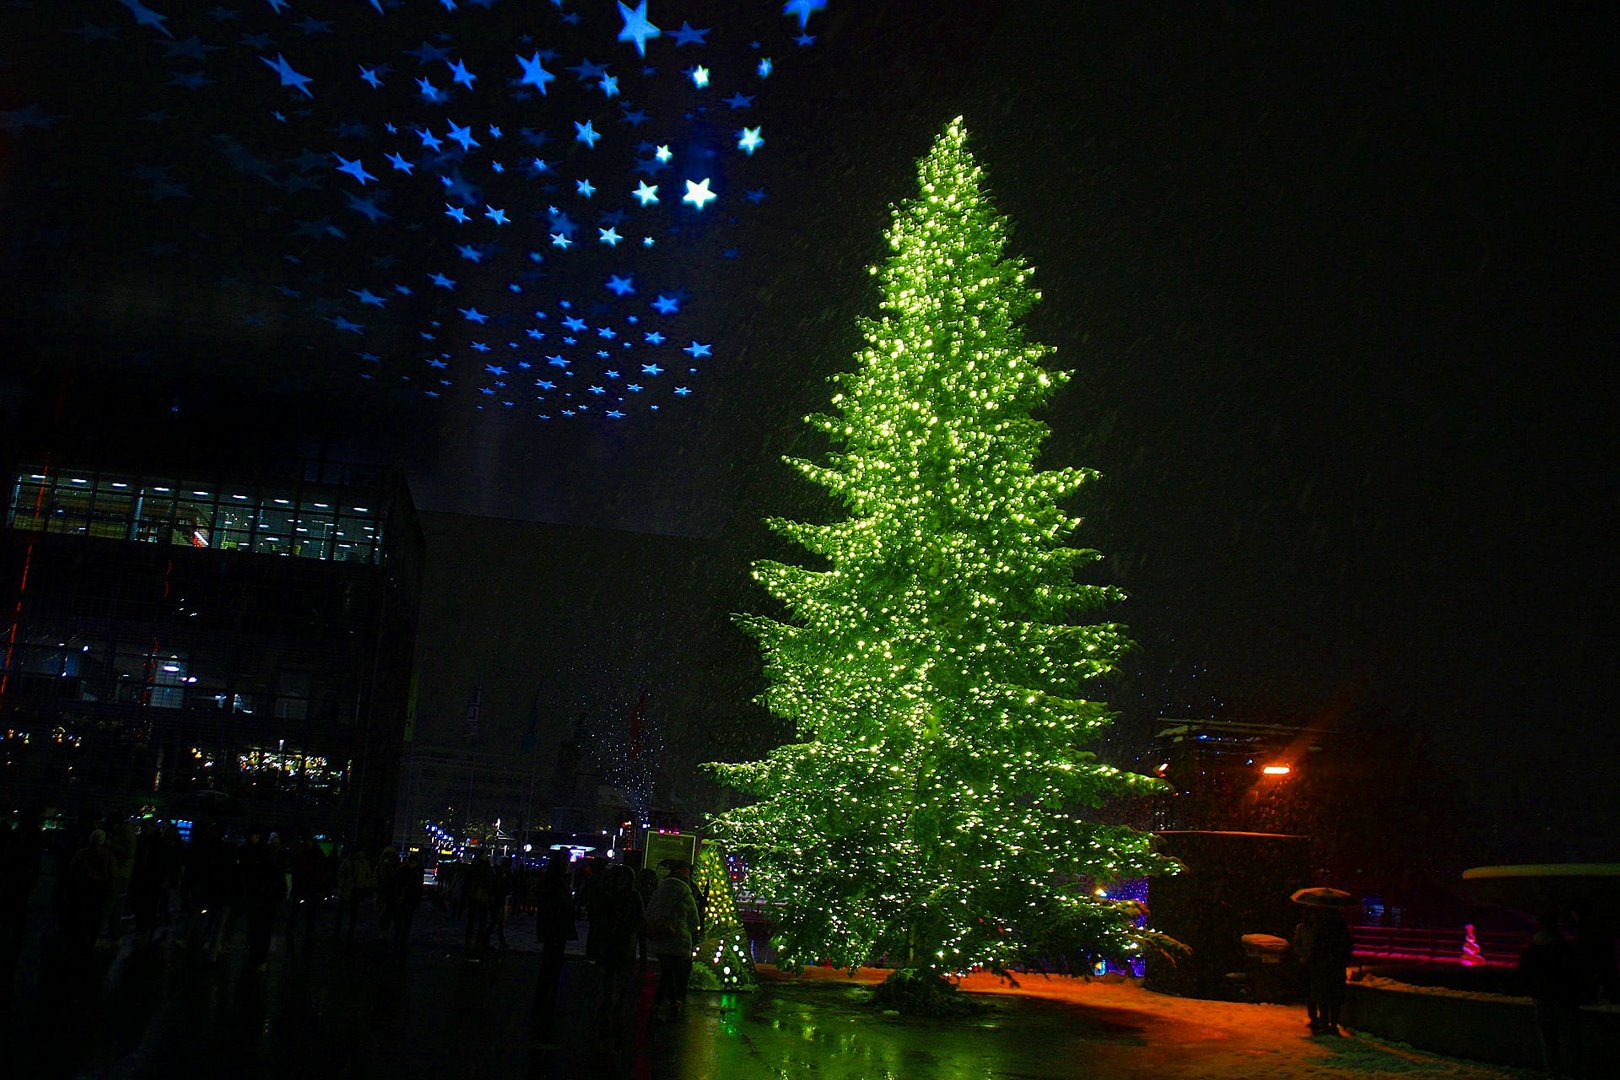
(1321, 896)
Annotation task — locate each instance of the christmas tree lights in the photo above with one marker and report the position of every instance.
(721, 958)
(931, 808)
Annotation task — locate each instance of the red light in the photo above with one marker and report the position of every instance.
(1276, 770)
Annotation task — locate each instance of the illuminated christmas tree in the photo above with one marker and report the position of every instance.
(721, 959)
(932, 807)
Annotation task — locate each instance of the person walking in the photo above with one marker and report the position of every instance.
(671, 918)
(88, 890)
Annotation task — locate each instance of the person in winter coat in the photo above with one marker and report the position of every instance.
(478, 883)
(407, 898)
(671, 918)
(1330, 951)
(615, 931)
(553, 928)
(1550, 974)
(356, 881)
(387, 874)
(264, 890)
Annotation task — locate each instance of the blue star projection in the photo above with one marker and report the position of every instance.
(511, 205)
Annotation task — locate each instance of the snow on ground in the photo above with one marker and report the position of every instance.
(1173, 1038)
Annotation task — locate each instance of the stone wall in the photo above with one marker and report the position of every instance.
(1482, 1027)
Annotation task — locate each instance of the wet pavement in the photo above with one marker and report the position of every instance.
(332, 1011)
(357, 1012)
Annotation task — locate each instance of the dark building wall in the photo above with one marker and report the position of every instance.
(133, 672)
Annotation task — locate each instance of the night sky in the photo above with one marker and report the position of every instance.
(1338, 289)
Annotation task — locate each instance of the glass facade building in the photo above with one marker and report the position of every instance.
(163, 634)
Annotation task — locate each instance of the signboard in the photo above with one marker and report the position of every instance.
(660, 846)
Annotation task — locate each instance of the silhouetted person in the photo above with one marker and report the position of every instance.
(646, 885)
(1304, 936)
(386, 872)
(478, 887)
(407, 898)
(553, 927)
(615, 933)
(308, 873)
(1330, 951)
(264, 889)
(19, 870)
(671, 918)
(1594, 954)
(500, 895)
(88, 890)
(356, 883)
(1550, 974)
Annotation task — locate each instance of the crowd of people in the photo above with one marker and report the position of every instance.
(117, 876)
(121, 881)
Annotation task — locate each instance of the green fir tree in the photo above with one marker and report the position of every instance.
(934, 660)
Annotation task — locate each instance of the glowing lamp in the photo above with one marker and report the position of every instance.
(1276, 770)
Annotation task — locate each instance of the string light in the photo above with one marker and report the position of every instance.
(932, 806)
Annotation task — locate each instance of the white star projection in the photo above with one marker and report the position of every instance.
(462, 194)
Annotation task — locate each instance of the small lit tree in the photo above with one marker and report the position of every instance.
(722, 959)
(932, 808)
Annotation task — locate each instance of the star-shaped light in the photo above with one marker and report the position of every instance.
(288, 76)
(687, 35)
(585, 188)
(561, 240)
(497, 216)
(441, 281)
(460, 74)
(803, 9)
(472, 314)
(764, 67)
(609, 236)
(370, 75)
(462, 135)
(667, 305)
(586, 134)
(455, 213)
(700, 76)
(430, 141)
(739, 101)
(647, 193)
(534, 74)
(609, 85)
(654, 338)
(663, 153)
(636, 26)
(353, 168)
(698, 193)
(400, 164)
(651, 369)
(749, 140)
(698, 349)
